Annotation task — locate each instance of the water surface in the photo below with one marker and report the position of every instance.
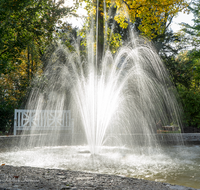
(176, 164)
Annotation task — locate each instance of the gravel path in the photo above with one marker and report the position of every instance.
(16, 178)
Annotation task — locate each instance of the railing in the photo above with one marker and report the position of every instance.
(42, 120)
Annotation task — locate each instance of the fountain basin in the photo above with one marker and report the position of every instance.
(10, 142)
(174, 164)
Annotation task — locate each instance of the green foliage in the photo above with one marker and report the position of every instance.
(6, 116)
(188, 67)
(186, 76)
(184, 69)
(195, 28)
(27, 27)
(68, 36)
(25, 21)
(191, 104)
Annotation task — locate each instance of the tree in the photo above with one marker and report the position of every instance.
(185, 72)
(149, 18)
(25, 21)
(27, 27)
(194, 29)
(154, 16)
(189, 69)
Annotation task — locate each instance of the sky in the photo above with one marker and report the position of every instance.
(76, 22)
(181, 17)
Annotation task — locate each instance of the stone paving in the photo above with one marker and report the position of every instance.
(29, 178)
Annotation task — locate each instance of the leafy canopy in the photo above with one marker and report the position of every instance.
(153, 14)
(23, 21)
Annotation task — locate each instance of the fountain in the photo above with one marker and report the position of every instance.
(128, 94)
(116, 105)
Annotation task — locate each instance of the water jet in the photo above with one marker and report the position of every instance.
(128, 95)
(116, 108)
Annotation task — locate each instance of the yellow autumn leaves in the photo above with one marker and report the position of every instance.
(153, 15)
(16, 80)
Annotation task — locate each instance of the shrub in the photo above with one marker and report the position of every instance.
(190, 100)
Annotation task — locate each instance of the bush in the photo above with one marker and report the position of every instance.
(191, 105)
(6, 118)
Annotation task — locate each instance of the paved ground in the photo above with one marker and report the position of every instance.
(16, 178)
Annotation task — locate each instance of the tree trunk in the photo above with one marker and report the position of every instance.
(32, 65)
(100, 33)
(28, 64)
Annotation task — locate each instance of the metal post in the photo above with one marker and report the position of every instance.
(15, 122)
